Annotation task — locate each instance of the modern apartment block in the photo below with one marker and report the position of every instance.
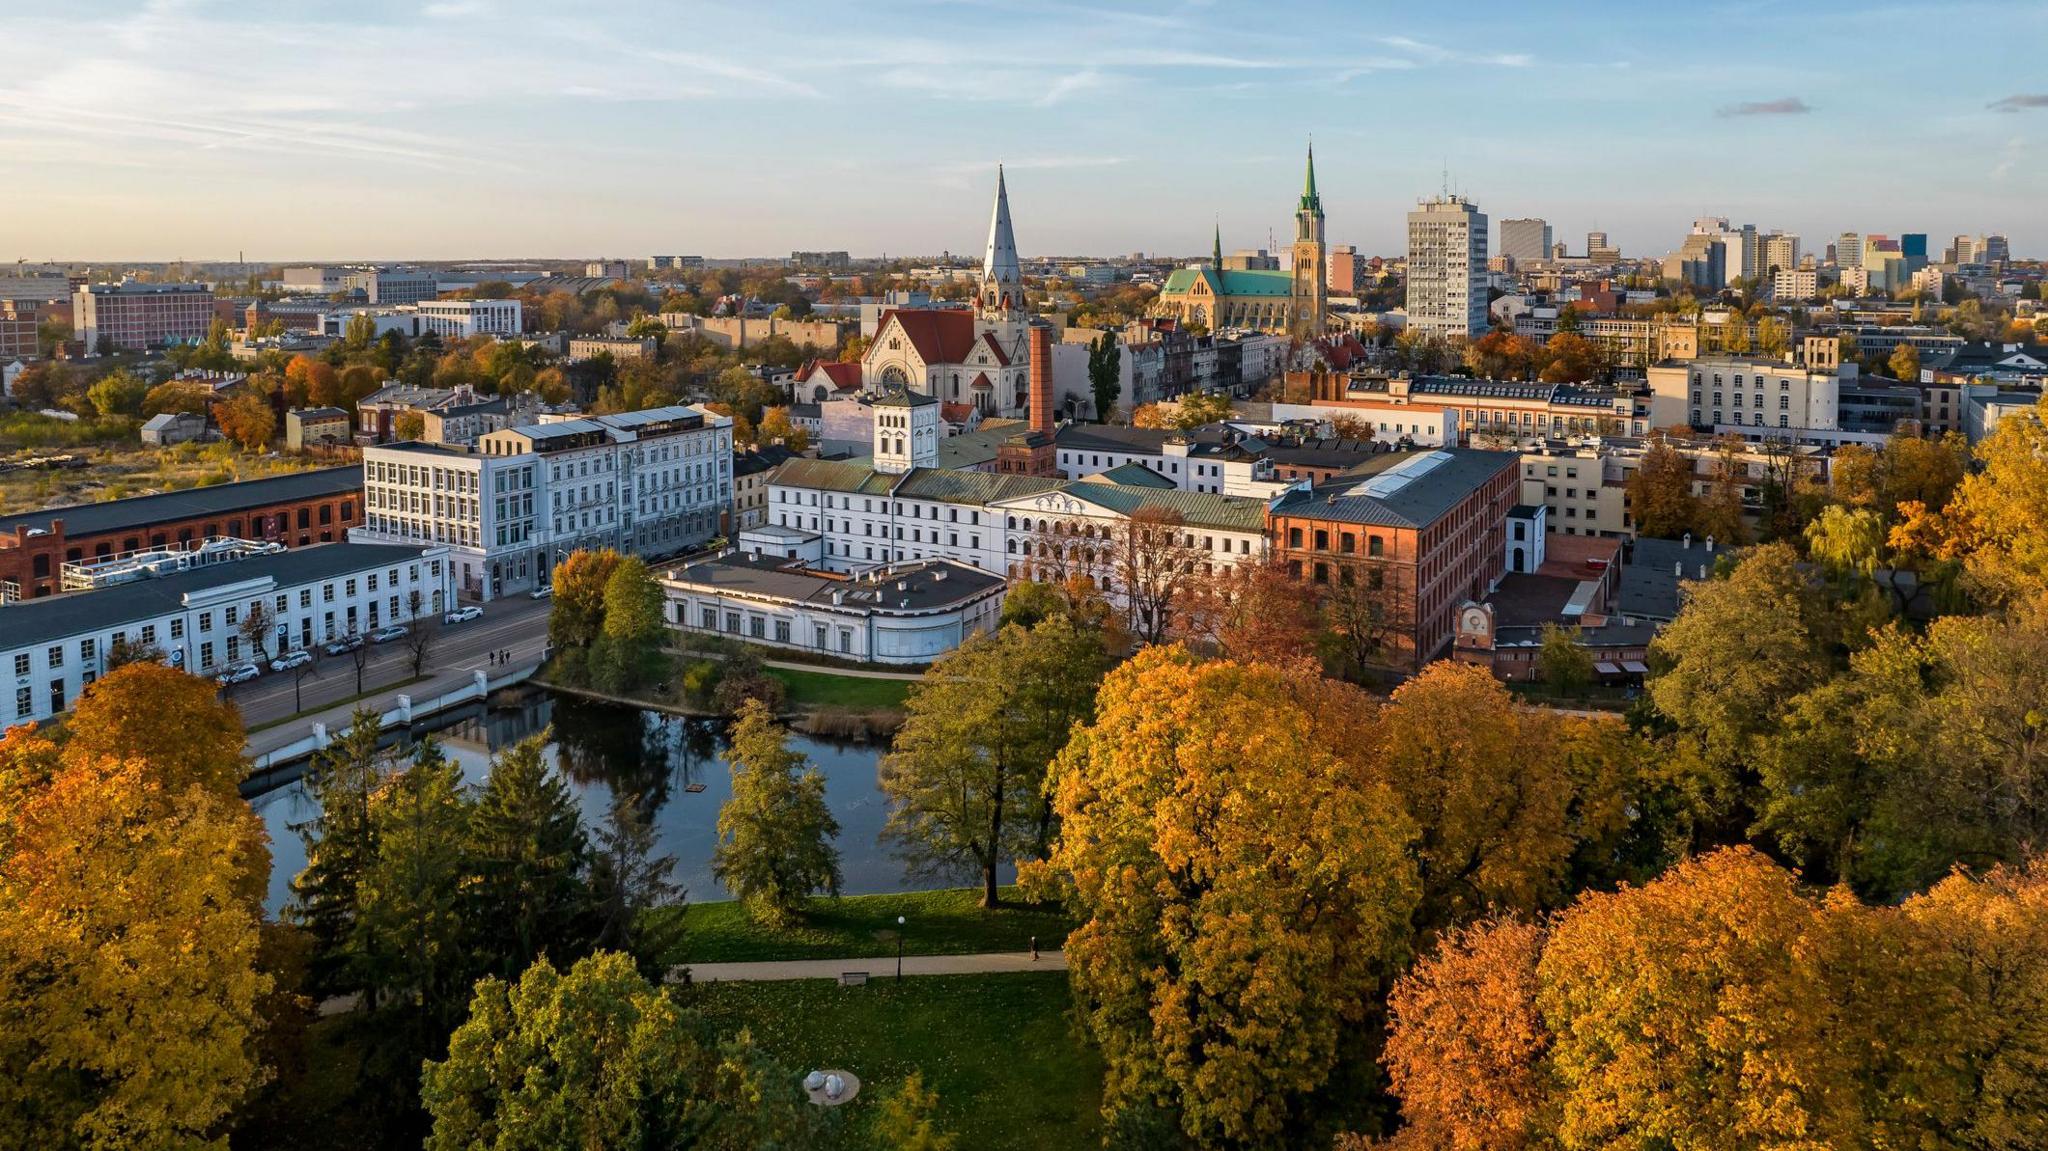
(394, 285)
(652, 483)
(1447, 274)
(1525, 241)
(1748, 395)
(133, 316)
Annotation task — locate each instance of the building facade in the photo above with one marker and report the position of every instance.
(1447, 275)
(134, 316)
(650, 483)
(53, 649)
(1525, 241)
(461, 319)
(295, 510)
(1743, 394)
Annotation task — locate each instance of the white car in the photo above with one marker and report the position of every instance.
(543, 591)
(291, 659)
(387, 634)
(463, 614)
(240, 673)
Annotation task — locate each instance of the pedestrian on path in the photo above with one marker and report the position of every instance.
(1034, 949)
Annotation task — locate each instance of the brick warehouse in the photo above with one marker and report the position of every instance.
(297, 509)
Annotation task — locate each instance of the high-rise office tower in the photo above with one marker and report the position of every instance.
(1525, 241)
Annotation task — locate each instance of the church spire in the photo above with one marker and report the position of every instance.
(1310, 202)
(1217, 258)
(1002, 281)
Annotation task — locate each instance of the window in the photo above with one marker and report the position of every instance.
(149, 633)
(732, 622)
(21, 663)
(24, 702)
(782, 631)
(56, 655)
(233, 615)
(1375, 546)
(206, 653)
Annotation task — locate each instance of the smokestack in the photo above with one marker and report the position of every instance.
(1041, 378)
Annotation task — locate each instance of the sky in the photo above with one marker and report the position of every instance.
(188, 129)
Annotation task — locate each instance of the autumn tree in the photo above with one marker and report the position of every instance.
(1660, 495)
(599, 1057)
(966, 774)
(1722, 513)
(1244, 888)
(628, 649)
(130, 999)
(775, 427)
(576, 614)
(118, 393)
(1562, 661)
(907, 1119)
(1996, 514)
(1905, 363)
(1155, 566)
(173, 723)
(775, 833)
(527, 845)
(1255, 611)
(248, 420)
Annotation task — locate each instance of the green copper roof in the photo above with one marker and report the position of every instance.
(1310, 202)
(1233, 283)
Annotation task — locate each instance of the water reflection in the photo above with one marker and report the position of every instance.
(603, 750)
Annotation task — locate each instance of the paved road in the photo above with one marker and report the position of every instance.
(518, 623)
(877, 967)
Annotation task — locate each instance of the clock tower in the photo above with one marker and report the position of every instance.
(1311, 294)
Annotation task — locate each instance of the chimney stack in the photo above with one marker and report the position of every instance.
(1041, 378)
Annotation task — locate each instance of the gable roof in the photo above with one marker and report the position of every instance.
(938, 335)
(1400, 489)
(1234, 282)
(845, 377)
(1134, 475)
(1002, 357)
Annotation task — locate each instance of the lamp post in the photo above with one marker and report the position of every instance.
(900, 923)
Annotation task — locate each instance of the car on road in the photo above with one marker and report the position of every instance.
(291, 659)
(387, 634)
(463, 614)
(344, 645)
(240, 673)
(543, 591)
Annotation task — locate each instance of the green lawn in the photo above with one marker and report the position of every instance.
(949, 922)
(998, 1049)
(823, 689)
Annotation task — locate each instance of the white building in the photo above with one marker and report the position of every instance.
(461, 319)
(909, 613)
(650, 483)
(1747, 395)
(53, 646)
(1525, 241)
(1447, 267)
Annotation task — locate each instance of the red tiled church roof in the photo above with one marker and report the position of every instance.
(844, 377)
(940, 335)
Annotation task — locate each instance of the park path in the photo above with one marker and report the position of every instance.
(878, 967)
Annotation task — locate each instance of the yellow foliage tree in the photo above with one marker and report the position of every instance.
(174, 723)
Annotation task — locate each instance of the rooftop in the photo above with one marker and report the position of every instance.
(168, 507)
(919, 586)
(1400, 489)
(28, 623)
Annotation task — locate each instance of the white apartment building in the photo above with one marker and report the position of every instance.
(1447, 274)
(650, 483)
(1745, 395)
(52, 647)
(461, 319)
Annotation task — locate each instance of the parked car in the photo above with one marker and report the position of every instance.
(463, 614)
(345, 645)
(291, 659)
(240, 673)
(544, 591)
(387, 634)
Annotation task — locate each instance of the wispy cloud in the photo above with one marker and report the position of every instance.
(1428, 53)
(1071, 84)
(1788, 106)
(2021, 101)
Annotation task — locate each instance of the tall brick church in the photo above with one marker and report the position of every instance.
(1295, 302)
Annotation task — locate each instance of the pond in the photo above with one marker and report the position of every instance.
(601, 749)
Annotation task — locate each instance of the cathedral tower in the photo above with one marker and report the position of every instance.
(1311, 294)
(1002, 280)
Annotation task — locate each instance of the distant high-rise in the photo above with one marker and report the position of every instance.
(1599, 251)
(1781, 252)
(1913, 246)
(1345, 269)
(1997, 250)
(1595, 240)
(1849, 250)
(1447, 267)
(1526, 240)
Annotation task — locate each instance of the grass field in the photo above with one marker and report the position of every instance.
(998, 1050)
(948, 922)
(811, 689)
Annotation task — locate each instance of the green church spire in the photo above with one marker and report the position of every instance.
(1218, 257)
(1309, 200)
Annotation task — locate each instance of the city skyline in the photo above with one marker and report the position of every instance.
(482, 128)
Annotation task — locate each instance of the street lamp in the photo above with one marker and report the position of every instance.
(900, 922)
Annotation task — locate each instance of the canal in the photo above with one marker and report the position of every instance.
(603, 749)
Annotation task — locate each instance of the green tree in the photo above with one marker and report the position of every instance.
(598, 1057)
(966, 774)
(907, 1119)
(632, 634)
(340, 841)
(775, 833)
(1105, 370)
(1563, 663)
(410, 927)
(527, 845)
(576, 614)
(118, 393)
(638, 904)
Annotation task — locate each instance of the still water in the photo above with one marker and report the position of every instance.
(601, 749)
